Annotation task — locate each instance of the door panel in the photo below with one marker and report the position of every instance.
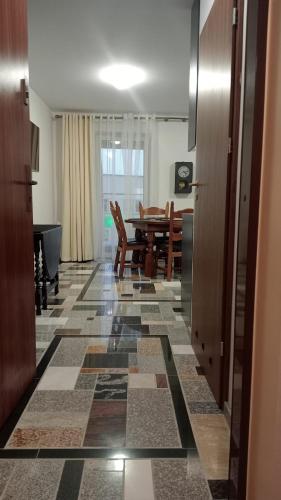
(214, 98)
(17, 332)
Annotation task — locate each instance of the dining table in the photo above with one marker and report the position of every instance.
(151, 226)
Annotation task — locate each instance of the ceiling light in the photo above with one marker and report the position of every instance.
(117, 142)
(122, 76)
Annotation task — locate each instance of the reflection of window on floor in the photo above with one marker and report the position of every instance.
(122, 170)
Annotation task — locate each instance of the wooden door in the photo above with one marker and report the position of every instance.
(17, 332)
(214, 104)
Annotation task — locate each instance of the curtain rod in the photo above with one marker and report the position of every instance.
(120, 117)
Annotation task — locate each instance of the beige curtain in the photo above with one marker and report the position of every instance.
(77, 157)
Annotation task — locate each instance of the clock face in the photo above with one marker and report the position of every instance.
(183, 171)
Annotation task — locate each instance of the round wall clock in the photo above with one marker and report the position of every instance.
(183, 177)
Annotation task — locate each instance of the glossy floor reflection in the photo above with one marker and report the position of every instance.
(117, 387)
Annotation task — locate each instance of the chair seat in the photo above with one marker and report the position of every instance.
(161, 240)
(177, 246)
(133, 242)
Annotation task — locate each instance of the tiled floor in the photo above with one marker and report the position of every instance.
(117, 398)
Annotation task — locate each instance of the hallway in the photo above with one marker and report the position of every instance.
(119, 405)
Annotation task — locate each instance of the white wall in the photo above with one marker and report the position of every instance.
(205, 7)
(172, 147)
(43, 193)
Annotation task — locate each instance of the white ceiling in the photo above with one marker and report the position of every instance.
(70, 40)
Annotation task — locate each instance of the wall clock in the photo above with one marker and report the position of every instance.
(183, 176)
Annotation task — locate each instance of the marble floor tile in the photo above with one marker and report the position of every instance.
(59, 378)
(182, 362)
(138, 480)
(161, 381)
(67, 331)
(212, 437)
(176, 338)
(197, 390)
(74, 323)
(46, 438)
(173, 479)
(111, 465)
(34, 479)
(6, 469)
(107, 424)
(150, 346)
(42, 344)
(149, 316)
(158, 330)
(182, 349)
(151, 421)
(204, 408)
(48, 419)
(150, 364)
(60, 401)
(179, 317)
(101, 485)
(92, 349)
(107, 360)
(110, 386)
(146, 303)
(171, 284)
(122, 344)
(86, 381)
(41, 320)
(135, 330)
(69, 485)
(142, 381)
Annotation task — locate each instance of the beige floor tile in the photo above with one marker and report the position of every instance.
(211, 433)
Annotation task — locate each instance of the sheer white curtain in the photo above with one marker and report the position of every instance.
(124, 170)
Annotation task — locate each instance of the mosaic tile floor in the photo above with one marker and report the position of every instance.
(116, 400)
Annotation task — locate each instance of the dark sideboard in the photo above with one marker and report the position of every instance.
(47, 247)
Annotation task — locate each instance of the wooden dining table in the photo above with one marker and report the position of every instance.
(150, 226)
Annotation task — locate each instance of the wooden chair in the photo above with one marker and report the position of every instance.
(124, 244)
(153, 210)
(172, 249)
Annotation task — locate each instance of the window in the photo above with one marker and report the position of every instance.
(122, 181)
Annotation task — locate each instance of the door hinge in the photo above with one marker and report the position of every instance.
(222, 348)
(229, 145)
(234, 16)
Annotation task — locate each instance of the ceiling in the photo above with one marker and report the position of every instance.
(71, 40)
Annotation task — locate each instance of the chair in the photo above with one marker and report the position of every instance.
(124, 245)
(172, 249)
(153, 210)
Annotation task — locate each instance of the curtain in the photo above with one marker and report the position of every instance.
(124, 166)
(77, 159)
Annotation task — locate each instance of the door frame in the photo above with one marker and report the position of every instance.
(231, 205)
(252, 135)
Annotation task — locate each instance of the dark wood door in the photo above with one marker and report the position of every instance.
(17, 334)
(214, 104)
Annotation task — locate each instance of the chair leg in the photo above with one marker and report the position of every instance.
(169, 266)
(122, 263)
(116, 260)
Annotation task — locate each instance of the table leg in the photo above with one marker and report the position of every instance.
(149, 268)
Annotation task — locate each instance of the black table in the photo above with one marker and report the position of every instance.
(47, 246)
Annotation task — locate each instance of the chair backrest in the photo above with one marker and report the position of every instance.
(176, 214)
(153, 210)
(120, 223)
(114, 215)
